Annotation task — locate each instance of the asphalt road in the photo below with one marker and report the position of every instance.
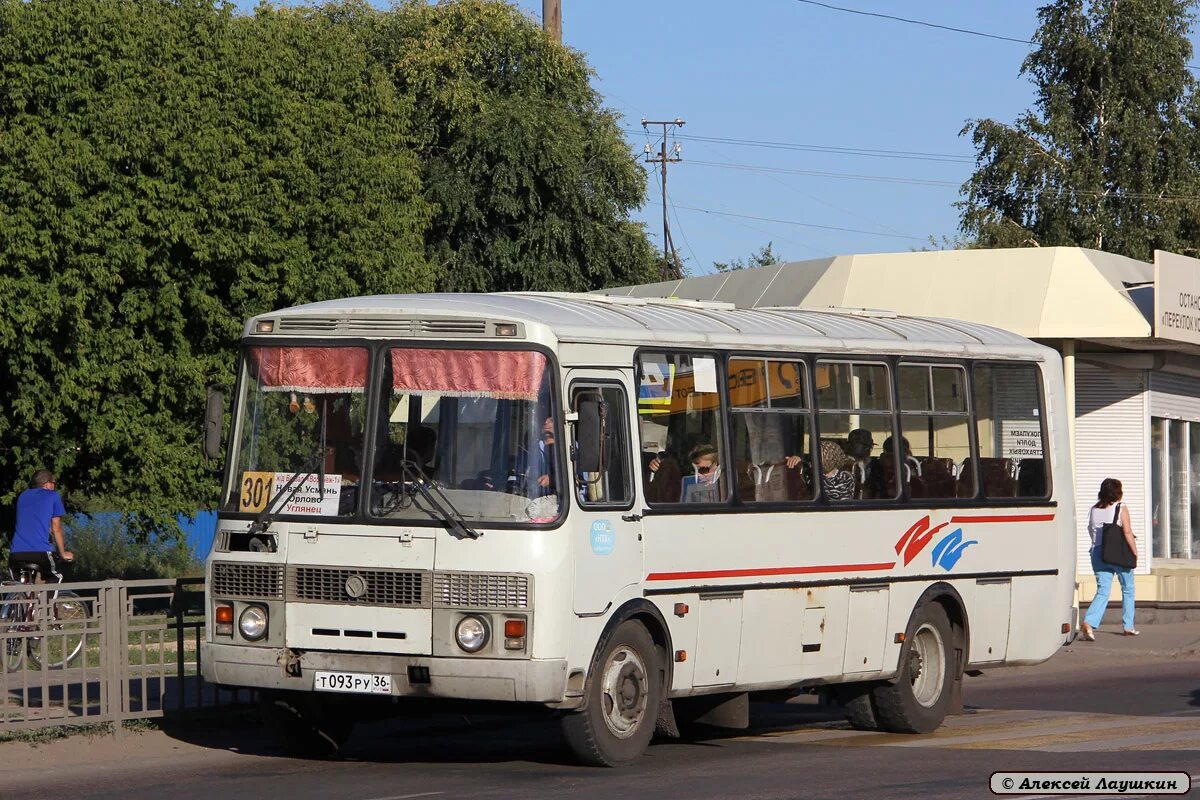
(1075, 712)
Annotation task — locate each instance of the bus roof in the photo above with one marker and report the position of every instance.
(640, 321)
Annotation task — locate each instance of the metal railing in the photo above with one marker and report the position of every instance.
(132, 652)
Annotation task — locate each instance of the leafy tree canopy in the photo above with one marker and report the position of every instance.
(1109, 158)
(168, 169)
(762, 257)
(530, 175)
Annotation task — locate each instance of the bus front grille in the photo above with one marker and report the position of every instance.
(263, 581)
(480, 590)
(373, 587)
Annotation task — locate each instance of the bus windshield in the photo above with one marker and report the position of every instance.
(303, 411)
(480, 425)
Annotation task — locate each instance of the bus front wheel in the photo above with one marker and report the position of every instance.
(623, 694)
(919, 698)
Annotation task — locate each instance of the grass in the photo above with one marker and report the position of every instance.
(54, 733)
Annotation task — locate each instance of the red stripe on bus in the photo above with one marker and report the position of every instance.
(753, 573)
(1021, 518)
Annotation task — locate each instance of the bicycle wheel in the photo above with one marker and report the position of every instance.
(10, 625)
(64, 637)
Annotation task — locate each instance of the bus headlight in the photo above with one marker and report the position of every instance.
(471, 634)
(253, 623)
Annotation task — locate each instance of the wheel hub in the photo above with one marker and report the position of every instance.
(624, 692)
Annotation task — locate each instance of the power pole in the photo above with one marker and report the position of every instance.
(552, 18)
(671, 268)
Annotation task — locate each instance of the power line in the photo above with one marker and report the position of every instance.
(916, 22)
(814, 198)
(804, 224)
(938, 26)
(824, 148)
(1067, 190)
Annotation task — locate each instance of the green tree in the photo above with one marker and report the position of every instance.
(762, 257)
(168, 169)
(530, 175)
(1110, 156)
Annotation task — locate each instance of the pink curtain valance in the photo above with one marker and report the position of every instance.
(500, 374)
(312, 370)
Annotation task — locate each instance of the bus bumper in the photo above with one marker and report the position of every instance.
(514, 680)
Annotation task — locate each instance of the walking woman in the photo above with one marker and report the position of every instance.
(1103, 513)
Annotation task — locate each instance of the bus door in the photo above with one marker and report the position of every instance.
(607, 534)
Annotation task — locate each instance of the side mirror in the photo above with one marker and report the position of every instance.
(214, 417)
(589, 434)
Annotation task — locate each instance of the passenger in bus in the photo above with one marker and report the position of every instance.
(662, 477)
(837, 483)
(545, 468)
(859, 445)
(420, 447)
(884, 478)
(703, 485)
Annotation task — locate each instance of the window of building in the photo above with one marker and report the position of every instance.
(679, 420)
(611, 486)
(770, 422)
(854, 402)
(1174, 491)
(1009, 429)
(935, 429)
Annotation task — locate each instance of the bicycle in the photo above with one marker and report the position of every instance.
(29, 614)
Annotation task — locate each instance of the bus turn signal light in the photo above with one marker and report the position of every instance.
(223, 617)
(681, 656)
(1066, 627)
(514, 628)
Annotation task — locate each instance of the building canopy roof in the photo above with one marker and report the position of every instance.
(1040, 293)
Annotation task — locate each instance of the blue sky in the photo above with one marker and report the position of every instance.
(791, 72)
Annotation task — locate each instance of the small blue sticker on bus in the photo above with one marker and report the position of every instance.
(603, 538)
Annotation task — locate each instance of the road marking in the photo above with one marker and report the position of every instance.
(1043, 731)
(407, 796)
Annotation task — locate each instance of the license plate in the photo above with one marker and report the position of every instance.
(354, 682)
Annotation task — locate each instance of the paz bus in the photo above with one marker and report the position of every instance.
(635, 513)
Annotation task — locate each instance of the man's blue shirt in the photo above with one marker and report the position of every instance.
(35, 509)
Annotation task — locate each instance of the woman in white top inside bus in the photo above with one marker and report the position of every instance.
(1102, 513)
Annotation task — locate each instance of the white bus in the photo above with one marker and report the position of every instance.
(634, 512)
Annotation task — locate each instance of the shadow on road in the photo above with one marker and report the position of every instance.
(464, 738)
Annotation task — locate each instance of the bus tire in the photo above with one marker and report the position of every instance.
(623, 693)
(917, 701)
(855, 699)
(306, 725)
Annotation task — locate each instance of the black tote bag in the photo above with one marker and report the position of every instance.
(1113, 547)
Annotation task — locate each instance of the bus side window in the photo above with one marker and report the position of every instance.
(1009, 411)
(679, 416)
(612, 485)
(936, 428)
(854, 403)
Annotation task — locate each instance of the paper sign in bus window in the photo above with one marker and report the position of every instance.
(704, 371)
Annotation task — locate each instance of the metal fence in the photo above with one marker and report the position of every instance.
(85, 653)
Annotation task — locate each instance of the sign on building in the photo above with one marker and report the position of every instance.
(1176, 297)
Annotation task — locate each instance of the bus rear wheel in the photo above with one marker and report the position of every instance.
(920, 696)
(623, 694)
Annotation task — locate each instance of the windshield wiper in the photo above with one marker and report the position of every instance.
(289, 489)
(439, 503)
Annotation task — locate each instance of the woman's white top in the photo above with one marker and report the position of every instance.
(1098, 518)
